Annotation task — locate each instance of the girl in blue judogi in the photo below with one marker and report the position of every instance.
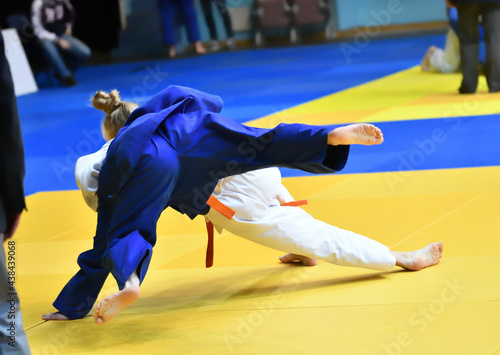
(178, 151)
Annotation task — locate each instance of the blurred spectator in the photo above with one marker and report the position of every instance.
(209, 19)
(12, 336)
(98, 24)
(52, 22)
(448, 60)
(469, 14)
(186, 7)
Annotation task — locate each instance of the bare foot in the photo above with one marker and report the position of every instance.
(199, 48)
(171, 52)
(419, 259)
(296, 258)
(54, 316)
(360, 133)
(109, 307)
(425, 65)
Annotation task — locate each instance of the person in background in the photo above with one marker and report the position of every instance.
(209, 19)
(448, 60)
(52, 22)
(186, 7)
(470, 14)
(13, 339)
(98, 24)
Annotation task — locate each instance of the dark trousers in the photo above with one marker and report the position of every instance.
(468, 32)
(66, 61)
(209, 17)
(168, 10)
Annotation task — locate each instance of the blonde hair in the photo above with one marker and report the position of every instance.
(117, 111)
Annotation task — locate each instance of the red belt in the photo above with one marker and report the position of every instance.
(227, 212)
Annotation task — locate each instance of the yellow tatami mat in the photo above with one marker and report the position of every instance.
(409, 94)
(249, 303)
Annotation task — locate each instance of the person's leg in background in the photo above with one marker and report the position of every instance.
(76, 54)
(491, 23)
(226, 19)
(206, 6)
(468, 32)
(167, 11)
(188, 11)
(61, 71)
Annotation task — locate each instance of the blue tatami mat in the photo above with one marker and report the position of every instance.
(59, 125)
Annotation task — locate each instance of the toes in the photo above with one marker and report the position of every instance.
(99, 321)
(295, 258)
(54, 316)
(374, 133)
(288, 258)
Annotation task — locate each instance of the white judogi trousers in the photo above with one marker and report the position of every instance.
(259, 217)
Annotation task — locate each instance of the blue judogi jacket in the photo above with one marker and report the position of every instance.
(205, 142)
(171, 153)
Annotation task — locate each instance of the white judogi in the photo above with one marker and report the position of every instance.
(447, 60)
(255, 197)
(87, 170)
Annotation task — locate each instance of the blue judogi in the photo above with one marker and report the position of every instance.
(171, 153)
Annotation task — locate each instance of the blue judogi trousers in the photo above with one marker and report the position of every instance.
(168, 10)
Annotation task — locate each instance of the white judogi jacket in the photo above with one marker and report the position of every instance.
(87, 170)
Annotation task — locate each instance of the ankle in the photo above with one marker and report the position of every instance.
(333, 138)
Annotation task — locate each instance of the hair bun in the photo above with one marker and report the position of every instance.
(107, 102)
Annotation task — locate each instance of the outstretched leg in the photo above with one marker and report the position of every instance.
(413, 260)
(109, 307)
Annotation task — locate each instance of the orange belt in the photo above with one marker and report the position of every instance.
(295, 203)
(227, 212)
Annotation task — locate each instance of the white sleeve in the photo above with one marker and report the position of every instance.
(447, 60)
(36, 19)
(87, 171)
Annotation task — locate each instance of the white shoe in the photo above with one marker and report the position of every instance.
(213, 46)
(230, 43)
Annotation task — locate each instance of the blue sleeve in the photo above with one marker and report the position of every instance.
(296, 146)
(211, 146)
(128, 219)
(126, 228)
